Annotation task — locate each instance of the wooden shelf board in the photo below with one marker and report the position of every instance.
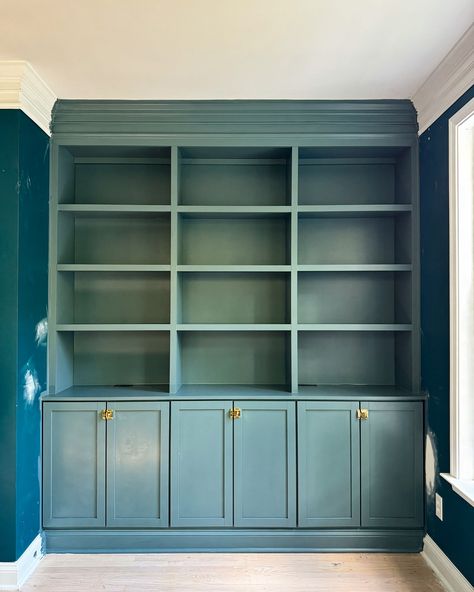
(111, 267)
(236, 268)
(113, 327)
(354, 327)
(358, 391)
(353, 211)
(338, 160)
(232, 392)
(233, 327)
(357, 267)
(121, 160)
(230, 213)
(183, 209)
(131, 392)
(234, 161)
(112, 208)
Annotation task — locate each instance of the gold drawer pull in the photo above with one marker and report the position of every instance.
(235, 413)
(107, 414)
(362, 414)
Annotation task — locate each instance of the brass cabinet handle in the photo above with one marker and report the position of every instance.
(235, 413)
(362, 414)
(107, 414)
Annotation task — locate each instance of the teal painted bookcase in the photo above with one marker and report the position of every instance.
(286, 266)
(254, 254)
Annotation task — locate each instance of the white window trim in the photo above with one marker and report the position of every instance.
(461, 279)
(464, 488)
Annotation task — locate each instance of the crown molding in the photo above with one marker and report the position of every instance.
(244, 117)
(450, 80)
(22, 88)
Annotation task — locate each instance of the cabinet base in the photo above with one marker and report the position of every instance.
(125, 541)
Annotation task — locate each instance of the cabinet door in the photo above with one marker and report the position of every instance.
(328, 465)
(201, 463)
(265, 464)
(392, 465)
(137, 465)
(73, 465)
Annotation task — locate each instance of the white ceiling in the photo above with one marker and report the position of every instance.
(224, 49)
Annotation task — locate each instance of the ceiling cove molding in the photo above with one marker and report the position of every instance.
(450, 80)
(22, 88)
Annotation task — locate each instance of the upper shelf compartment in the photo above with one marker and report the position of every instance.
(113, 239)
(236, 239)
(354, 241)
(234, 176)
(346, 176)
(109, 175)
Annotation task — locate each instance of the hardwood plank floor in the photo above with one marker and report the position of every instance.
(234, 572)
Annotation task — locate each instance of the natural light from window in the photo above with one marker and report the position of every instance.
(461, 212)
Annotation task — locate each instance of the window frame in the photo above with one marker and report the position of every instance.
(461, 289)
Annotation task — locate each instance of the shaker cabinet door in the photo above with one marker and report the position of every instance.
(265, 464)
(392, 465)
(328, 464)
(74, 465)
(201, 464)
(137, 465)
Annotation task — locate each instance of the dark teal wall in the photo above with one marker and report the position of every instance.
(32, 314)
(24, 190)
(455, 534)
(9, 172)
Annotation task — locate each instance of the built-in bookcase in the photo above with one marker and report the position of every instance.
(272, 268)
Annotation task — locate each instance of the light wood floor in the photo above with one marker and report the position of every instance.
(240, 572)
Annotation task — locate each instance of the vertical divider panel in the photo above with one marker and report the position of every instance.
(294, 269)
(52, 270)
(415, 276)
(175, 374)
(60, 375)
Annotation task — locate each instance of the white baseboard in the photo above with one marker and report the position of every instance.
(447, 572)
(13, 575)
